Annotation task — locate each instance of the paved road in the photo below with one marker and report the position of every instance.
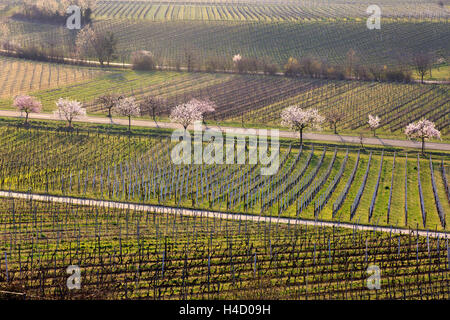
(215, 214)
(283, 134)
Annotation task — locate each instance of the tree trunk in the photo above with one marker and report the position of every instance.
(301, 137)
(26, 118)
(335, 128)
(422, 77)
(129, 124)
(423, 146)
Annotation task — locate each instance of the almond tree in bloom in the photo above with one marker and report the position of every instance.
(186, 113)
(128, 107)
(84, 41)
(204, 106)
(238, 62)
(70, 110)
(422, 130)
(237, 58)
(298, 119)
(28, 105)
(374, 123)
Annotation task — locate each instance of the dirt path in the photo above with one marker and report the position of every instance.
(216, 214)
(244, 131)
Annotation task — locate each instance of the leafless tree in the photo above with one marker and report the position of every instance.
(333, 117)
(102, 45)
(422, 63)
(351, 61)
(109, 101)
(190, 59)
(150, 105)
(361, 141)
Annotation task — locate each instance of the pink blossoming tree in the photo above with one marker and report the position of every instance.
(298, 119)
(128, 108)
(374, 123)
(186, 113)
(70, 110)
(205, 106)
(422, 130)
(28, 105)
(237, 58)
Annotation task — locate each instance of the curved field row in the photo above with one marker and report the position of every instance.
(256, 100)
(396, 104)
(21, 76)
(164, 84)
(129, 254)
(395, 42)
(305, 10)
(146, 173)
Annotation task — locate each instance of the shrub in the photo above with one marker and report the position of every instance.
(395, 75)
(215, 64)
(310, 67)
(292, 67)
(143, 60)
(32, 53)
(269, 68)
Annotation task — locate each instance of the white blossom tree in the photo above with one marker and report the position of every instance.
(374, 123)
(128, 107)
(69, 110)
(186, 113)
(28, 105)
(422, 130)
(205, 106)
(238, 62)
(237, 58)
(84, 41)
(298, 119)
